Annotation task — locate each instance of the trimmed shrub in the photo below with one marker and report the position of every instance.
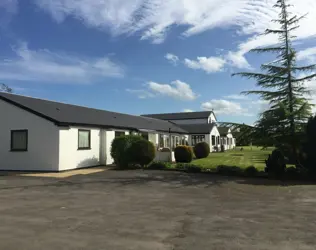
(251, 171)
(141, 152)
(159, 165)
(201, 150)
(229, 170)
(183, 154)
(119, 148)
(275, 164)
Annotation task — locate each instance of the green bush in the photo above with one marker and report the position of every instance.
(190, 168)
(275, 164)
(141, 152)
(251, 171)
(159, 165)
(308, 154)
(119, 148)
(201, 150)
(183, 154)
(229, 170)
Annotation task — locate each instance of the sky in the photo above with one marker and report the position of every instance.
(145, 56)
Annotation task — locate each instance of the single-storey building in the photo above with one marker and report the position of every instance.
(226, 138)
(43, 135)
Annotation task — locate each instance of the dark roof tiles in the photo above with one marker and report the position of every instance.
(181, 116)
(66, 114)
(204, 128)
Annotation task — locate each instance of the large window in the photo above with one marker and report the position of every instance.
(84, 139)
(197, 138)
(19, 140)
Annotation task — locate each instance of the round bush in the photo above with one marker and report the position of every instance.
(201, 150)
(183, 154)
(275, 164)
(142, 152)
(119, 148)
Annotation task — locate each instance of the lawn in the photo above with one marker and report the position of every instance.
(249, 156)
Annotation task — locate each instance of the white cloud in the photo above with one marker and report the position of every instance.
(225, 107)
(44, 65)
(237, 60)
(209, 65)
(172, 58)
(176, 89)
(152, 19)
(307, 54)
(187, 110)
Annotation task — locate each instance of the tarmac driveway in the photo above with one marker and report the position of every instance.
(154, 210)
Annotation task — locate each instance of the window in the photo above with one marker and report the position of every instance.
(119, 133)
(19, 140)
(197, 138)
(84, 139)
(213, 140)
(161, 141)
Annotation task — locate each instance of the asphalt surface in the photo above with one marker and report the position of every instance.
(155, 210)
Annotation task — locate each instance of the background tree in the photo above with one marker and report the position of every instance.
(5, 88)
(281, 83)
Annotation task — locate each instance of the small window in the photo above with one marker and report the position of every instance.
(84, 139)
(19, 140)
(119, 133)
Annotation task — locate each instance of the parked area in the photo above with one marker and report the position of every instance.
(154, 210)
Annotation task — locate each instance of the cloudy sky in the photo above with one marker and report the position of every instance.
(144, 56)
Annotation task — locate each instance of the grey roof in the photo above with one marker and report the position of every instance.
(204, 128)
(223, 130)
(65, 114)
(181, 116)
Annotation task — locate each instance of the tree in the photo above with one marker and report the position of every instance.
(5, 88)
(282, 83)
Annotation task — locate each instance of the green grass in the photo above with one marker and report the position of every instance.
(250, 156)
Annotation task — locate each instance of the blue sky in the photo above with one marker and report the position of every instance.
(143, 56)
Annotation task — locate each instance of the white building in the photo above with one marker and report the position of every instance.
(201, 126)
(226, 138)
(41, 135)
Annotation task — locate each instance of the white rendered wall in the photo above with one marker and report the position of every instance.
(42, 153)
(69, 155)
